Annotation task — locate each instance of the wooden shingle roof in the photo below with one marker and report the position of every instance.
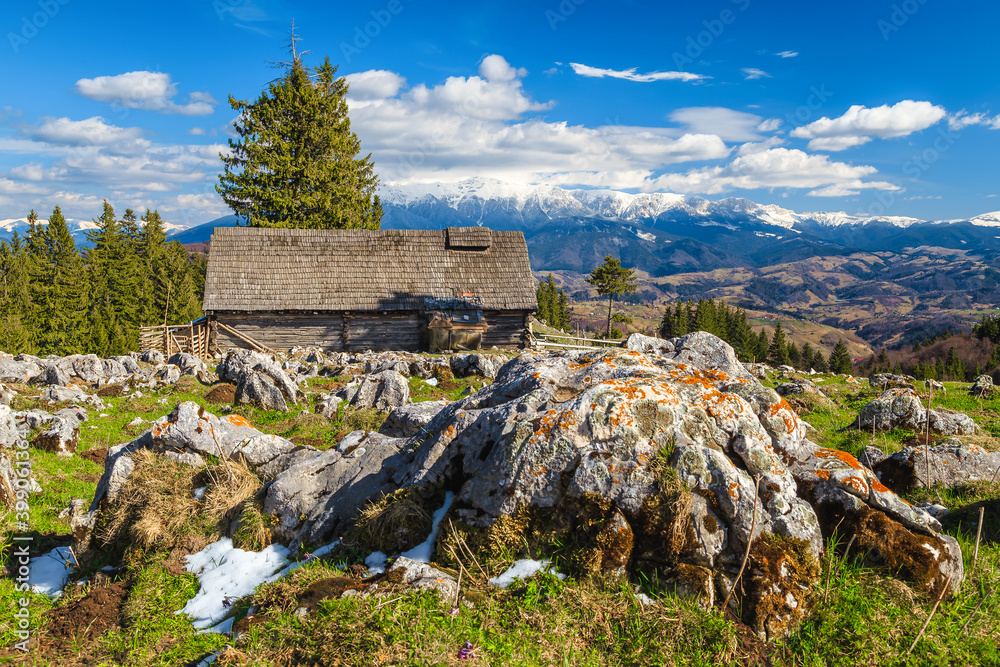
(266, 269)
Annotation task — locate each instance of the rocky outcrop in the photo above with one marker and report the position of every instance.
(465, 364)
(950, 463)
(901, 408)
(63, 432)
(408, 420)
(384, 391)
(259, 380)
(982, 387)
(885, 381)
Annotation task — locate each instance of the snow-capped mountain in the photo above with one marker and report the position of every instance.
(77, 228)
(480, 198)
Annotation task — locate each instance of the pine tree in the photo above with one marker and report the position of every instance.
(819, 362)
(808, 357)
(111, 263)
(777, 351)
(295, 162)
(562, 308)
(762, 346)
(794, 355)
(612, 279)
(840, 359)
(16, 297)
(70, 291)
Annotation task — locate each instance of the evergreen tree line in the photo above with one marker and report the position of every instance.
(55, 299)
(553, 306)
(731, 325)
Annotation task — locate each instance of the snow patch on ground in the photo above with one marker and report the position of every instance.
(523, 569)
(422, 552)
(226, 574)
(48, 573)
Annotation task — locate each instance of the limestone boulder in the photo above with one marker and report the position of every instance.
(189, 364)
(901, 408)
(71, 394)
(259, 380)
(317, 497)
(407, 420)
(9, 432)
(63, 432)
(21, 369)
(885, 381)
(383, 391)
(6, 395)
(982, 387)
(464, 364)
(153, 357)
(950, 463)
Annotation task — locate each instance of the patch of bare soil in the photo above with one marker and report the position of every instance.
(112, 390)
(95, 455)
(87, 618)
(189, 544)
(221, 393)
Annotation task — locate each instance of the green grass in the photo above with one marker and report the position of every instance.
(870, 618)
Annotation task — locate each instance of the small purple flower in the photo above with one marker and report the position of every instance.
(466, 651)
(227, 602)
(453, 611)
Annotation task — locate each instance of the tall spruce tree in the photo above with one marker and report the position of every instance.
(840, 359)
(15, 291)
(65, 333)
(295, 163)
(612, 279)
(777, 351)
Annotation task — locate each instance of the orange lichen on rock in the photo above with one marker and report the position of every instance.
(238, 420)
(822, 474)
(843, 457)
(734, 490)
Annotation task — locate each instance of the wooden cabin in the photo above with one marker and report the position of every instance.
(356, 289)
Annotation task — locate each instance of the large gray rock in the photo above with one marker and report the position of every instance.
(700, 349)
(375, 366)
(21, 369)
(982, 387)
(128, 363)
(29, 420)
(259, 380)
(63, 432)
(885, 381)
(71, 394)
(901, 408)
(949, 463)
(6, 395)
(190, 427)
(464, 364)
(9, 433)
(383, 391)
(188, 364)
(423, 577)
(317, 497)
(411, 419)
(154, 357)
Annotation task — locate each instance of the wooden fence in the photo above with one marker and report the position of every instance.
(191, 338)
(574, 342)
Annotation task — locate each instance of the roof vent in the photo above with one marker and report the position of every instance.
(468, 238)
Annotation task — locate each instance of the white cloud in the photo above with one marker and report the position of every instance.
(197, 131)
(772, 168)
(152, 91)
(750, 73)
(961, 119)
(477, 125)
(90, 132)
(375, 84)
(787, 54)
(769, 125)
(860, 124)
(729, 124)
(632, 74)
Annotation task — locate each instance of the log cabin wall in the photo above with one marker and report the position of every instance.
(354, 332)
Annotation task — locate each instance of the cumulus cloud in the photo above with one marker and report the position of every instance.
(860, 124)
(90, 132)
(729, 124)
(632, 74)
(750, 73)
(152, 91)
(773, 168)
(787, 54)
(769, 125)
(478, 125)
(375, 84)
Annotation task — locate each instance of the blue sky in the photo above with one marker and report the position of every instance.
(874, 107)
